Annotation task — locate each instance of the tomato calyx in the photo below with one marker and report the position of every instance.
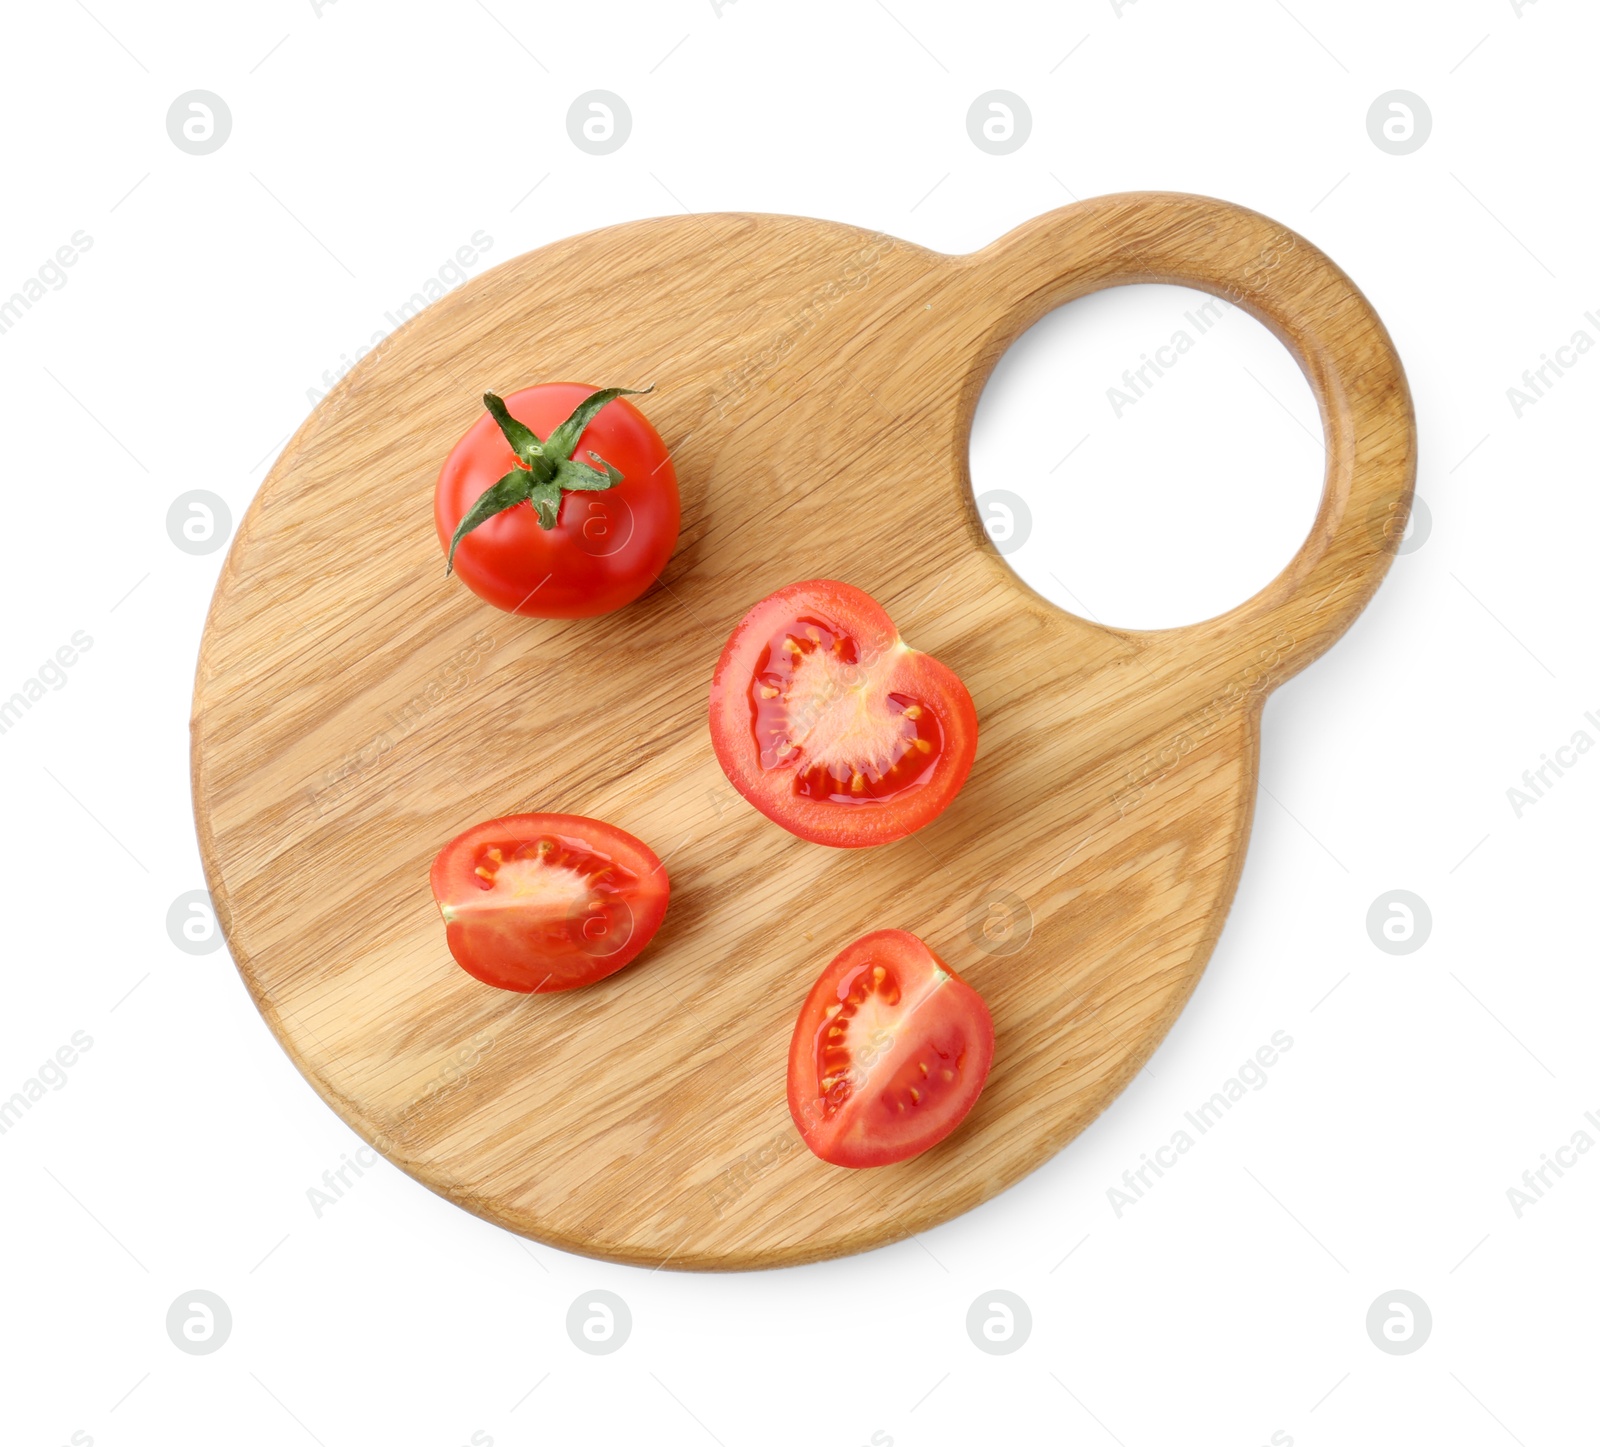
(545, 468)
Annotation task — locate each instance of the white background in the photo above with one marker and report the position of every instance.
(1229, 1303)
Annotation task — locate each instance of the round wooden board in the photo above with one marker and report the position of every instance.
(354, 709)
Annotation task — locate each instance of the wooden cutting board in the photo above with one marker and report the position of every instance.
(354, 709)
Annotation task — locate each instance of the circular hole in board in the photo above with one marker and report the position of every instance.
(1147, 456)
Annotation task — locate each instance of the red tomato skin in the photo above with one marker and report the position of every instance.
(485, 959)
(577, 569)
(849, 826)
(961, 1014)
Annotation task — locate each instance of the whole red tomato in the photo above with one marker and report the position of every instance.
(576, 497)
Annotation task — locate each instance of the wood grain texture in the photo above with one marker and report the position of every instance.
(354, 709)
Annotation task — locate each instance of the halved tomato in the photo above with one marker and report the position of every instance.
(831, 726)
(889, 1053)
(542, 902)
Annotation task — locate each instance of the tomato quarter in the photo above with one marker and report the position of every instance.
(889, 1053)
(831, 726)
(542, 902)
(574, 521)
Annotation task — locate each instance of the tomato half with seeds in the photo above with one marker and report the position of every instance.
(542, 902)
(831, 726)
(889, 1054)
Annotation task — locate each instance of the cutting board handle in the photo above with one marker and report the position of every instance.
(1286, 283)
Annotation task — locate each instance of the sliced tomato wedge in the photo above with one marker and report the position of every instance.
(889, 1053)
(831, 726)
(542, 902)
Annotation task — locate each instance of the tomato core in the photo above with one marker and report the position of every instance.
(555, 885)
(818, 709)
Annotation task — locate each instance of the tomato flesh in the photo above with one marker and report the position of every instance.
(543, 902)
(606, 547)
(825, 721)
(889, 1054)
